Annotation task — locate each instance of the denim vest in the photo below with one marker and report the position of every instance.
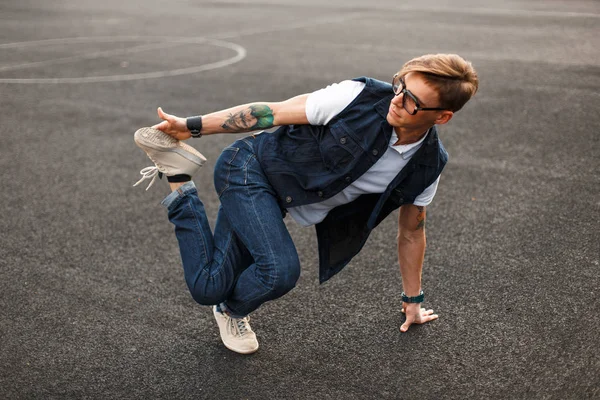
(308, 164)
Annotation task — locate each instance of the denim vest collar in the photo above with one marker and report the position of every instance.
(382, 107)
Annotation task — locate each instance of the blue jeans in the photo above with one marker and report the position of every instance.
(250, 258)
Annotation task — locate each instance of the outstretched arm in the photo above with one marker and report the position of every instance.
(411, 252)
(244, 118)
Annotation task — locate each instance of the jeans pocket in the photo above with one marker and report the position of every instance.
(223, 169)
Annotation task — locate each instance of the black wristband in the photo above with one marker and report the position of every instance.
(194, 125)
(413, 299)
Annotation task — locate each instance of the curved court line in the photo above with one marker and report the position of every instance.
(240, 55)
(87, 56)
(103, 39)
(241, 51)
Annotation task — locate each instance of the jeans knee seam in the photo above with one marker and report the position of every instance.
(236, 150)
(271, 253)
(229, 242)
(203, 239)
(270, 289)
(246, 168)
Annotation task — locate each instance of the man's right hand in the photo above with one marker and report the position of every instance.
(173, 126)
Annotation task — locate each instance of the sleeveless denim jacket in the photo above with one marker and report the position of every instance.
(308, 164)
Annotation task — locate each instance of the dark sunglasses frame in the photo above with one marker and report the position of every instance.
(401, 88)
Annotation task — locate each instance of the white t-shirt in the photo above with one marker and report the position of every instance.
(322, 106)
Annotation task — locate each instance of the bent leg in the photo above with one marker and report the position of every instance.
(250, 204)
(211, 263)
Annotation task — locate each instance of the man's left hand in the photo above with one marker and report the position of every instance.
(416, 315)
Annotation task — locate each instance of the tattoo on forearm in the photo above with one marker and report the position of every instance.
(256, 116)
(421, 217)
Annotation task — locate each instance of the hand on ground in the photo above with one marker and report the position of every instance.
(416, 315)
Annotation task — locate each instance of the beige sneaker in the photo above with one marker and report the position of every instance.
(236, 333)
(170, 156)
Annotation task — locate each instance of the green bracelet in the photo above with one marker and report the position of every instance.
(413, 299)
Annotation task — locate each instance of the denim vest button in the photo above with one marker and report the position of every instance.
(288, 199)
(320, 194)
(343, 140)
(348, 179)
(375, 152)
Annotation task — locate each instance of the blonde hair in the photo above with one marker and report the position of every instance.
(452, 76)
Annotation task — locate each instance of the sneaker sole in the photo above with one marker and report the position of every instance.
(188, 152)
(240, 351)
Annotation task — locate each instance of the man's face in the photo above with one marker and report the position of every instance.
(427, 97)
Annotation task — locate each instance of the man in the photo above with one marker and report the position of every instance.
(342, 159)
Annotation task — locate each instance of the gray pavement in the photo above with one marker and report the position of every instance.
(92, 298)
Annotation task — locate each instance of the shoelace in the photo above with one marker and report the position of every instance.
(147, 173)
(240, 325)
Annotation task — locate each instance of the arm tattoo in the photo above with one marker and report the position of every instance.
(256, 116)
(421, 217)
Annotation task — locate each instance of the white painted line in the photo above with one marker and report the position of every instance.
(240, 55)
(165, 42)
(102, 39)
(87, 56)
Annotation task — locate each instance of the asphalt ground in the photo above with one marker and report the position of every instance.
(92, 298)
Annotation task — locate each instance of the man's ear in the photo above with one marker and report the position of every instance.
(444, 117)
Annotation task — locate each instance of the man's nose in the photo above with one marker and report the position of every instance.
(397, 100)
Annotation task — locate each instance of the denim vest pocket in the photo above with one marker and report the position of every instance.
(339, 148)
(299, 145)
